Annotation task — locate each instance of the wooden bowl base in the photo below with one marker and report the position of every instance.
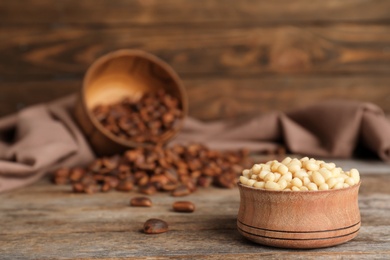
(302, 240)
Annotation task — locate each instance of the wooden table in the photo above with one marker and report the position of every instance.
(45, 221)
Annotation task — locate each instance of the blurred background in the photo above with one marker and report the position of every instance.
(236, 58)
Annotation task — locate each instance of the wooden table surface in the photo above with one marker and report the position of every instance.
(44, 221)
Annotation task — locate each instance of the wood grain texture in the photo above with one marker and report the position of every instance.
(146, 12)
(45, 221)
(236, 57)
(215, 98)
(201, 52)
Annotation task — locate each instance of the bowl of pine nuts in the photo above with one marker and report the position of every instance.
(299, 203)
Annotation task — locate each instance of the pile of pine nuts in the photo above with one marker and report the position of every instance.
(299, 175)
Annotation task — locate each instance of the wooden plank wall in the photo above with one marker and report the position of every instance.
(236, 57)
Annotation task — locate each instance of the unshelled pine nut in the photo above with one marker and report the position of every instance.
(140, 202)
(155, 226)
(183, 206)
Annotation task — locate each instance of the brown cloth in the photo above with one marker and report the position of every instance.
(42, 138)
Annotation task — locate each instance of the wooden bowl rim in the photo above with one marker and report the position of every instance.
(154, 59)
(298, 192)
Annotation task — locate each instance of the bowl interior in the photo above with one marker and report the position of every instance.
(128, 74)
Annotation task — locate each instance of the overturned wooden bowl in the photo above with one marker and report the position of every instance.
(115, 76)
(299, 219)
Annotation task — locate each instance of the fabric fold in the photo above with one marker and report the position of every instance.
(44, 137)
(43, 141)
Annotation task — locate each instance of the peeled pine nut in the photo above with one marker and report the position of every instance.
(312, 166)
(350, 181)
(331, 182)
(246, 173)
(295, 188)
(250, 182)
(318, 178)
(287, 177)
(270, 185)
(336, 172)
(299, 175)
(243, 179)
(324, 186)
(263, 173)
(294, 168)
(296, 182)
(312, 186)
(266, 167)
(355, 175)
(256, 169)
(275, 166)
(338, 185)
(282, 169)
(277, 176)
(282, 183)
(286, 160)
(325, 173)
(269, 177)
(306, 181)
(259, 184)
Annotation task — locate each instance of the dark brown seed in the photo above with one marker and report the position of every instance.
(111, 163)
(171, 175)
(191, 184)
(123, 168)
(162, 179)
(146, 166)
(148, 189)
(225, 181)
(95, 166)
(179, 169)
(180, 191)
(76, 174)
(90, 188)
(87, 179)
(132, 155)
(205, 181)
(144, 120)
(155, 226)
(78, 187)
(196, 174)
(169, 186)
(140, 202)
(168, 118)
(208, 172)
(60, 180)
(99, 177)
(111, 181)
(125, 186)
(105, 187)
(183, 206)
(143, 181)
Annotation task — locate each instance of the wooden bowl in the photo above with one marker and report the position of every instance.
(120, 74)
(299, 219)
